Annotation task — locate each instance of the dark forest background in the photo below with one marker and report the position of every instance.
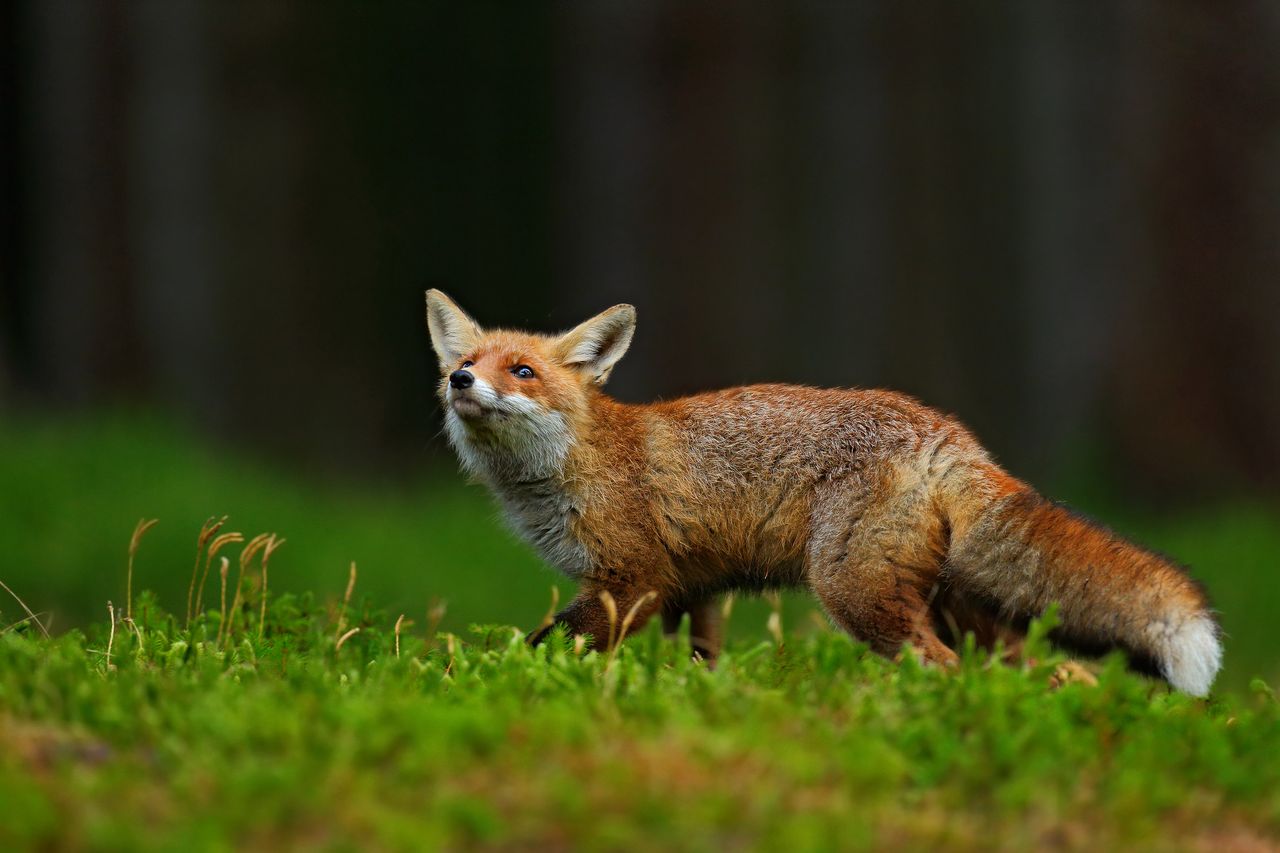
(1057, 220)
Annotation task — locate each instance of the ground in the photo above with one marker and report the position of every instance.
(480, 741)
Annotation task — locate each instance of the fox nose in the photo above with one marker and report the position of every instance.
(461, 379)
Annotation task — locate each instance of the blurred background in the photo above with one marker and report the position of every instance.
(1057, 221)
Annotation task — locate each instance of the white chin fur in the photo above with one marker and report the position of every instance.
(1192, 655)
(515, 437)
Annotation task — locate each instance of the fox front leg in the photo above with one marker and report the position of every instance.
(589, 614)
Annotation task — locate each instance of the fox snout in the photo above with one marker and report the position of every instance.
(466, 396)
(476, 400)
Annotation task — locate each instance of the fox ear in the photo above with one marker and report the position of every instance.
(452, 331)
(596, 345)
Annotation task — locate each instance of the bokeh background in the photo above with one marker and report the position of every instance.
(1058, 221)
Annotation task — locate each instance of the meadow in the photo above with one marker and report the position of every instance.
(395, 706)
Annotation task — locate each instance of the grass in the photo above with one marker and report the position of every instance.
(300, 739)
(293, 710)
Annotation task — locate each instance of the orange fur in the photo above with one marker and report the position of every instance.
(890, 512)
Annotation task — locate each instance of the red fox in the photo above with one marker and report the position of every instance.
(889, 511)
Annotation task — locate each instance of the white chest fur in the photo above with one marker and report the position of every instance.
(520, 456)
(542, 512)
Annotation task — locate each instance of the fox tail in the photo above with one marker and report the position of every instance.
(1022, 553)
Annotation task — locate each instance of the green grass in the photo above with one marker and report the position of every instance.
(71, 491)
(467, 738)
(452, 744)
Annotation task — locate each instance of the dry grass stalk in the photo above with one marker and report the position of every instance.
(451, 647)
(137, 632)
(254, 545)
(435, 615)
(25, 609)
(346, 599)
(399, 622)
(550, 618)
(642, 602)
(635, 609)
(24, 620)
(138, 532)
(222, 622)
(207, 531)
(267, 550)
(346, 636)
(215, 546)
(111, 638)
(726, 610)
(774, 624)
(611, 608)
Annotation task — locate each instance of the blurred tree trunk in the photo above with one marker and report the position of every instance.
(276, 288)
(1196, 398)
(1079, 215)
(718, 238)
(833, 197)
(957, 225)
(607, 150)
(721, 176)
(86, 345)
(175, 134)
(13, 254)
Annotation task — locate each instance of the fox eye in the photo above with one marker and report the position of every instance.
(524, 371)
(466, 364)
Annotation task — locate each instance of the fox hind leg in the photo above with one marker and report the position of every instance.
(704, 626)
(875, 577)
(705, 632)
(956, 614)
(883, 613)
(672, 616)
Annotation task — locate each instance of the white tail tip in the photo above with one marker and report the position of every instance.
(1191, 654)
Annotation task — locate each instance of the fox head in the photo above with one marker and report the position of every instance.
(513, 401)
